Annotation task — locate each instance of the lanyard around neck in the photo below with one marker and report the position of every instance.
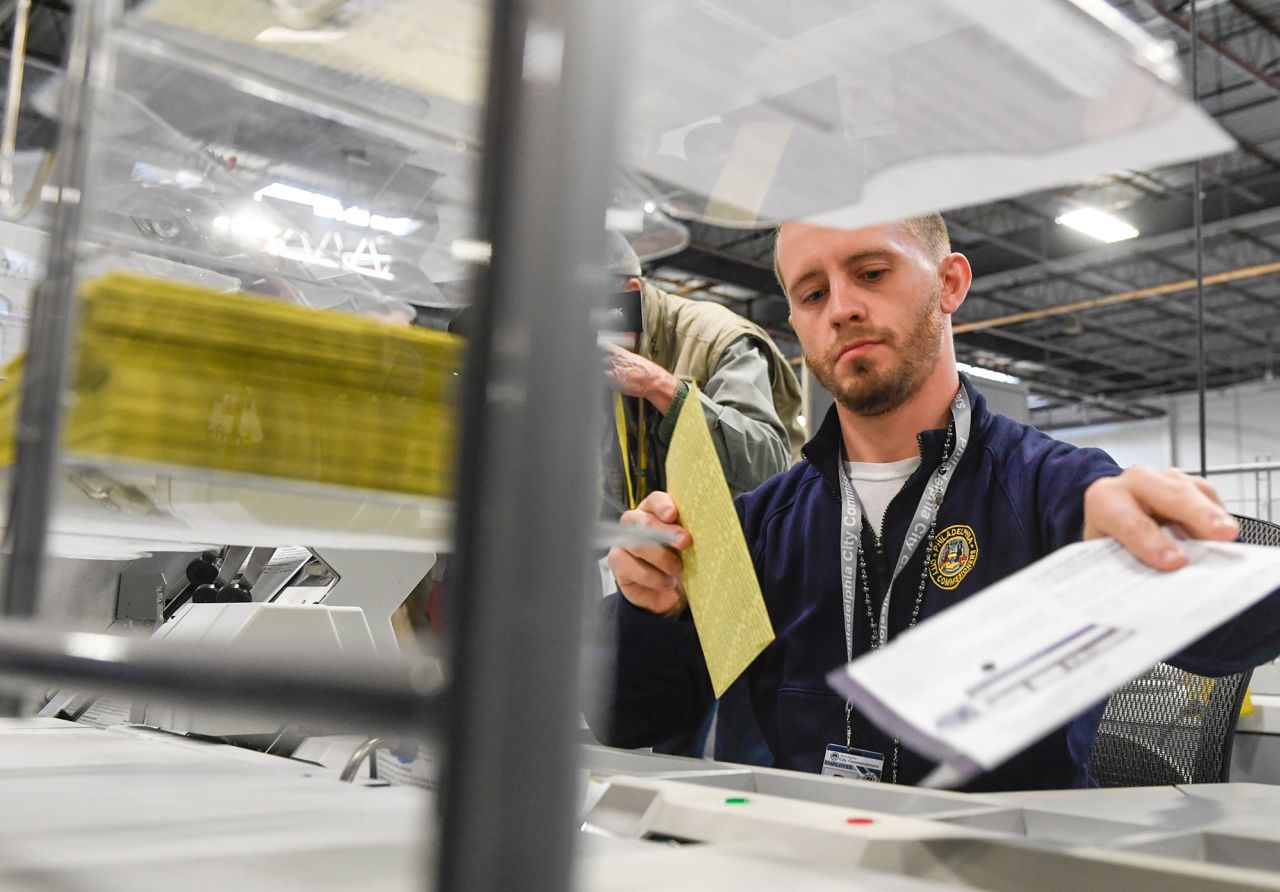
(926, 513)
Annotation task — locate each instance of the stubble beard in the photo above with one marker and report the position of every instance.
(870, 389)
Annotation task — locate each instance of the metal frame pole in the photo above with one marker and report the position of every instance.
(526, 491)
(46, 370)
(385, 696)
(1197, 212)
(1270, 498)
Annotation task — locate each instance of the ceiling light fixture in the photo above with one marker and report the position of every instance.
(1097, 224)
(246, 225)
(469, 250)
(329, 207)
(624, 219)
(978, 371)
(293, 35)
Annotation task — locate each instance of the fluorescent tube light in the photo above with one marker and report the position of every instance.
(624, 219)
(246, 225)
(329, 207)
(978, 371)
(294, 35)
(470, 250)
(1097, 224)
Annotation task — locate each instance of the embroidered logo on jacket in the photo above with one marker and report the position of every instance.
(954, 552)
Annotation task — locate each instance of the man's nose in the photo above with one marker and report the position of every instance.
(847, 302)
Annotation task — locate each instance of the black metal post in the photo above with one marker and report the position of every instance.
(45, 372)
(526, 485)
(1197, 211)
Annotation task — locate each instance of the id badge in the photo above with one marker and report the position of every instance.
(845, 761)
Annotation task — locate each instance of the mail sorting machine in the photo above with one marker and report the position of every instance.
(154, 809)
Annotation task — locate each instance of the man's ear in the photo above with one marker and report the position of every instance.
(956, 276)
(632, 284)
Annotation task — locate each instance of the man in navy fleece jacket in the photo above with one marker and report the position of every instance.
(872, 309)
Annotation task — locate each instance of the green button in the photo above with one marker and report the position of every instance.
(736, 800)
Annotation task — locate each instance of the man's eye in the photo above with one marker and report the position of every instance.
(875, 275)
(812, 296)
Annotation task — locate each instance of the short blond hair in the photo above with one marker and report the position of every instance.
(929, 229)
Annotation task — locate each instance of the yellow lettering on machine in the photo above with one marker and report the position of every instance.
(719, 578)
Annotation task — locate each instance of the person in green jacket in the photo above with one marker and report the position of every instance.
(751, 399)
(746, 388)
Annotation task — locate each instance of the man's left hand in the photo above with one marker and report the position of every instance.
(634, 375)
(1131, 508)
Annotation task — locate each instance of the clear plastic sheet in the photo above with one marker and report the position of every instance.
(848, 113)
(335, 166)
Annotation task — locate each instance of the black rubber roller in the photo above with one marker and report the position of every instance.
(235, 593)
(202, 570)
(205, 594)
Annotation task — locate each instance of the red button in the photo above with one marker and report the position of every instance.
(860, 821)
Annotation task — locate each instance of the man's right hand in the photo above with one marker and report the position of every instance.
(649, 575)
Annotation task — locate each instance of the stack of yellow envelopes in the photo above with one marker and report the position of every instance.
(172, 373)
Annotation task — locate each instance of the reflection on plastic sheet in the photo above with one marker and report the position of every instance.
(415, 768)
(854, 113)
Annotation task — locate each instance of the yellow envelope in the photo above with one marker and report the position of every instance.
(719, 577)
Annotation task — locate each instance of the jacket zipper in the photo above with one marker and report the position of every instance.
(877, 536)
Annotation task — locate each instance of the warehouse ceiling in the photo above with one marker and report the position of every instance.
(1099, 332)
(1029, 312)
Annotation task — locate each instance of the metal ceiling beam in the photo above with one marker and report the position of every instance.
(1217, 319)
(1256, 240)
(1217, 380)
(986, 283)
(1244, 193)
(1224, 322)
(1256, 151)
(1244, 65)
(1128, 409)
(1258, 18)
(1051, 378)
(1107, 300)
(1249, 370)
(1164, 224)
(1165, 345)
(1123, 334)
(1237, 365)
(1129, 339)
(1063, 350)
(744, 240)
(713, 263)
(1234, 360)
(1046, 417)
(1102, 283)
